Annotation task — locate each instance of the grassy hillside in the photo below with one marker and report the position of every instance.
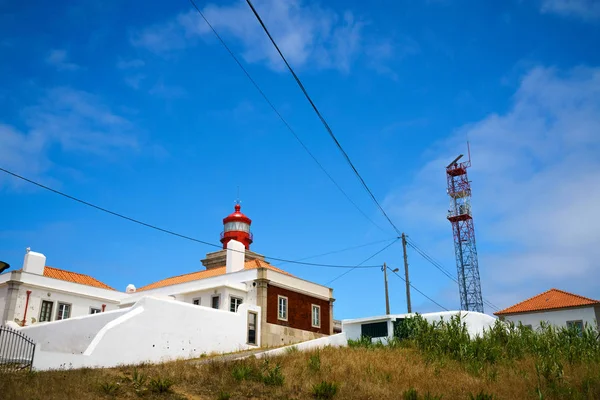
(432, 362)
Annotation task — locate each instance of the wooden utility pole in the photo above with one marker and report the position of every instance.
(408, 306)
(387, 299)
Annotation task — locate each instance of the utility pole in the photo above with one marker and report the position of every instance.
(406, 274)
(387, 299)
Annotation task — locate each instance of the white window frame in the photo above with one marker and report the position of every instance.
(312, 315)
(42, 309)
(99, 310)
(60, 303)
(241, 301)
(279, 309)
(211, 301)
(197, 299)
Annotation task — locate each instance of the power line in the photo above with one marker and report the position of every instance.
(423, 294)
(364, 261)
(439, 266)
(130, 219)
(323, 121)
(287, 125)
(341, 251)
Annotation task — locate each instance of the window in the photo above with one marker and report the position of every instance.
(374, 329)
(95, 310)
(215, 301)
(64, 311)
(282, 308)
(46, 311)
(576, 325)
(234, 303)
(316, 316)
(252, 316)
(196, 302)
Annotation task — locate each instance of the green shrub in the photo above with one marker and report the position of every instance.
(109, 388)
(242, 372)
(138, 379)
(223, 396)
(410, 394)
(324, 390)
(363, 342)
(429, 396)
(160, 385)
(314, 362)
(272, 376)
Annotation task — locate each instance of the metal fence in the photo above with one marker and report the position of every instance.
(16, 350)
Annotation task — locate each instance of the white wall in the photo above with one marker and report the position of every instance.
(476, 322)
(80, 304)
(337, 340)
(555, 317)
(153, 330)
(73, 335)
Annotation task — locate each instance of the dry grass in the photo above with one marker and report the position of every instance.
(360, 373)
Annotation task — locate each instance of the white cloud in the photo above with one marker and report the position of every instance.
(59, 59)
(585, 9)
(536, 189)
(307, 34)
(70, 121)
(167, 91)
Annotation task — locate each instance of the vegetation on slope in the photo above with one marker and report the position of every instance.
(430, 361)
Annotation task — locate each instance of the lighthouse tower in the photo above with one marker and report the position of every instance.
(236, 226)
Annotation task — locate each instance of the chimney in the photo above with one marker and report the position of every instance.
(235, 256)
(34, 263)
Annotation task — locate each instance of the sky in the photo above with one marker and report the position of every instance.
(138, 108)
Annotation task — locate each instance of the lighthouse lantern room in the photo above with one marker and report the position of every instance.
(236, 226)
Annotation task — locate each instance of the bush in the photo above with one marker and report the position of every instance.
(314, 362)
(223, 396)
(242, 372)
(272, 376)
(160, 385)
(324, 390)
(109, 388)
(410, 394)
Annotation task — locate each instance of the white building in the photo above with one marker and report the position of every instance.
(292, 309)
(384, 327)
(556, 307)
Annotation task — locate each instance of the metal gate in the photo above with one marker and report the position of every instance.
(16, 350)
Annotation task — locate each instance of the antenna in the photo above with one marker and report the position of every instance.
(455, 160)
(237, 201)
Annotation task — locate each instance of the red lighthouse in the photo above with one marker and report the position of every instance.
(236, 226)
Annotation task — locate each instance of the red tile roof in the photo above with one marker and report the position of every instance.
(549, 300)
(208, 273)
(74, 277)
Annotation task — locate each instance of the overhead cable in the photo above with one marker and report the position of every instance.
(167, 231)
(276, 111)
(423, 294)
(364, 261)
(323, 121)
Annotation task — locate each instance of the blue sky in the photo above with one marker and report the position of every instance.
(136, 107)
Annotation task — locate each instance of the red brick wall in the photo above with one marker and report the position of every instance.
(299, 310)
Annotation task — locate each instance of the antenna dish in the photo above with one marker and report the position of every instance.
(454, 161)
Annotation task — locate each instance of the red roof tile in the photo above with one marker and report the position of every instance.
(74, 277)
(209, 273)
(549, 300)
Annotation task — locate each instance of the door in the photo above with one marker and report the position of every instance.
(252, 316)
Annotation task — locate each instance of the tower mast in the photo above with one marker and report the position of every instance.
(459, 215)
